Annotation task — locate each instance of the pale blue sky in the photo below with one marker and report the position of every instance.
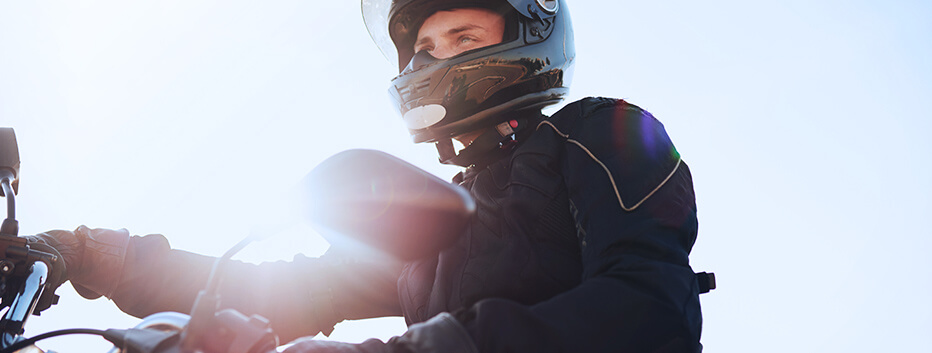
(805, 124)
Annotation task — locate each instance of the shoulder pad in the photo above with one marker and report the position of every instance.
(627, 142)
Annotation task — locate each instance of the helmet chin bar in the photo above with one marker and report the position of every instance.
(525, 106)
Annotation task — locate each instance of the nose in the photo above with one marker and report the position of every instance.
(421, 59)
(443, 52)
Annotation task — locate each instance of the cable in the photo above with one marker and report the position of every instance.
(208, 300)
(213, 281)
(30, 341)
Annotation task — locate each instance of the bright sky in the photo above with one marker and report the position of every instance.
(805, 124)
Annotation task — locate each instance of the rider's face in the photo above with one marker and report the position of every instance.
(448, 33)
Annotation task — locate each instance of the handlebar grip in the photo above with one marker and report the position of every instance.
(56, 277)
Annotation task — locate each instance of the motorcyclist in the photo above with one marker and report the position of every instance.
(584, 220)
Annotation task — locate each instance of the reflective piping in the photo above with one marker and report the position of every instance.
(554, 128)
(609, 173)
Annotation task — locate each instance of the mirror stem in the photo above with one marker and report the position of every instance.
(10, 226)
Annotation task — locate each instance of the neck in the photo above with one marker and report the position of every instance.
(487, 145)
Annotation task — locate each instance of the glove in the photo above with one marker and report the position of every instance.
(93, 257)
(440, 334)
(318, 346)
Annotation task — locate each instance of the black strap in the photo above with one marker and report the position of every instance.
(706, 281)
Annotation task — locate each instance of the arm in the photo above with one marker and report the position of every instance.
(143, 275)
(300, 298)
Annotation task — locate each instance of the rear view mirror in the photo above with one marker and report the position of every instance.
(387, 203)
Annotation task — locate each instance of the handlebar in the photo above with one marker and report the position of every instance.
(24, 302)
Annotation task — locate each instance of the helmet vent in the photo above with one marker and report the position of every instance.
(415, 90)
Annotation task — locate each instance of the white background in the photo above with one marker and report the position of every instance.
(805, 122)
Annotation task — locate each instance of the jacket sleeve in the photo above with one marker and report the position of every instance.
(634, 206)
(300, 297)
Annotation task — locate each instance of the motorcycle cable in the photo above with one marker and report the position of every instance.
(74, 331)
(128, 340)
(208, 300)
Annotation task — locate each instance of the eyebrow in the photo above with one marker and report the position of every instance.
(463, 28)
(452, 31)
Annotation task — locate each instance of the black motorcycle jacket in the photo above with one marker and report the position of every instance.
(580, 243)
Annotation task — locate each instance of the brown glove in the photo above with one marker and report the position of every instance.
(93, 257)
(442, 333)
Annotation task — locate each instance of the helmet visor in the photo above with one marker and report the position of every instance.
(386, 30)
(375, 13)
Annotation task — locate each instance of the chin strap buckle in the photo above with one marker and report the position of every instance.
(706, 281)
(501, 138)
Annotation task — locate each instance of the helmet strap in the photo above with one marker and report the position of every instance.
(486, 148)
(445, 149)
